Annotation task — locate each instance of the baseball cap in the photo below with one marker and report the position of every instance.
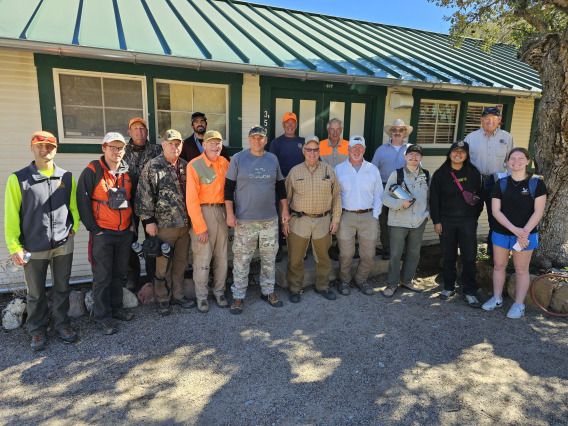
(491, 110)
(460, 145)
(212, 134)
(356, 140)
(137, 120)
(197, 115)
(257, 130)
(172, 135)
(113, 136)
(311, 138)
(44, 137)
(414, 148)
(290, 116)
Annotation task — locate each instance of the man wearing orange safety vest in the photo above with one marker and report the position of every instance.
(333, 151)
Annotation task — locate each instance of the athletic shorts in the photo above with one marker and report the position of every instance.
(508, 241)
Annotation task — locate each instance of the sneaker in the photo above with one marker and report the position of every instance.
(446, 294)
(67, 335)
(343, 288)
(203, 306)
(492, 304)
(221, 301)
(294, 296)
(38, 342)
(184, 302)
(164, 308)
(271, 298)
(472, 301)
(516, 311)
(327, 293)
(107, 327)
(237, 307)
(123, 315)
(364, 288)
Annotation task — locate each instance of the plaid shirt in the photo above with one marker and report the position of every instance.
(314, 192)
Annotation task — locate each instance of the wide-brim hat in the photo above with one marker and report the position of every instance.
(398, 123)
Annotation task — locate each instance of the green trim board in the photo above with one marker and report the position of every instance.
(46, 63)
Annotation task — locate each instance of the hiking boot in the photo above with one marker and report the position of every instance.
(107, 327)
(492, 304)
(67, 335)
(184, 302)
(164, 308)
(343, 288)
(472, 301)
(446, 294)
(221, 301)
(364, 288)
(38, 342)
(237, 307)
(516, 311)
(123, 315)
(271, 298)
(327, 293)
(294, 297)
(203, 306)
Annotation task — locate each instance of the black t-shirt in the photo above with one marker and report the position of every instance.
(517, 204)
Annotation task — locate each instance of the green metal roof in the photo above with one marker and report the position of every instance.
(240, 36)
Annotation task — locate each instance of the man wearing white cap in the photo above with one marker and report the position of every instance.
(389, 157)
(361, 195)
(103, 199)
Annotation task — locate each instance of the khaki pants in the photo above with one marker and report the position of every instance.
(364, 226)
(215, 250)
(171, 284)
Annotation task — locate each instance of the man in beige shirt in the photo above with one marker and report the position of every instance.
(313, 195)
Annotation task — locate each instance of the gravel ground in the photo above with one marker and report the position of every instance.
(412, 359)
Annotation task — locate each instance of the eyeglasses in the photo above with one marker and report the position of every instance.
(398, 130)
(115, 148)
(414, 155)
(41, 138)
(311, 149)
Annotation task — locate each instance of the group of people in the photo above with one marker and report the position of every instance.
(187, 193)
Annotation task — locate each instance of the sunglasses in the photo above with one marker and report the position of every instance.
(49, 139)
(312, 149)
(398, 130)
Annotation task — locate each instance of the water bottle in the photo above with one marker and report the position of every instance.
(13, 268)
(166, 250)
(137, 248)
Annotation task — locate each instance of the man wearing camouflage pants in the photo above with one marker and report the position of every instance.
(253, 177)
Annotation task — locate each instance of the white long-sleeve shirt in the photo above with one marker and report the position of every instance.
(360, 190)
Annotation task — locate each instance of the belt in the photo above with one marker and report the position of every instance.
(214, 204)
(358, 211)
(312, 216)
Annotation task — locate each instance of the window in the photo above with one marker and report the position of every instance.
(89, 105)
(438, 122)
(176, 101)
(473, 116)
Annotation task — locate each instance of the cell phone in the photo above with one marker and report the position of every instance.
(517, 247)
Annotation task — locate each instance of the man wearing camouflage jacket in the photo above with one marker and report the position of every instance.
(160, 204)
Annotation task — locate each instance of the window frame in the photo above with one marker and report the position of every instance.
(192, 83)
(59, 107)
(456, 123)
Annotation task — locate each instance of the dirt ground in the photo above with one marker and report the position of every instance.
(411, 360)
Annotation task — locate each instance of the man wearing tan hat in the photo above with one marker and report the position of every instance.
(103, 198)
(138, 152)
(313, 195)
(389, 157)
(206, 207)
(161, 207)
(40, 219)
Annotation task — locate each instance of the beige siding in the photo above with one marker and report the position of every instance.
(393, 114)
(522, 121)
(251, 105)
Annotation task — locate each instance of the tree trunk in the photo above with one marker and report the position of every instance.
(549, 56)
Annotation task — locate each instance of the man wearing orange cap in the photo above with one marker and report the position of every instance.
(41, 218)
(137, 153)
(288, 147)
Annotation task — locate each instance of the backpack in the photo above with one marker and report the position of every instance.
(533, 181)
(400, 176)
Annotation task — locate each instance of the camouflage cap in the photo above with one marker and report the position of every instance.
(172, 135)
(212, 134)
(257, 130)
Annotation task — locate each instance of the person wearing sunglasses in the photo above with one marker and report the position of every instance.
(456, 201)
(104, 201)
(41, 219)
(389, 157)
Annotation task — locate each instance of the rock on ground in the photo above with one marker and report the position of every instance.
(76, 304)
(89, 302)
(559, 303)
(13, 315)
(146, 294)
(129, 299)
(542, 291)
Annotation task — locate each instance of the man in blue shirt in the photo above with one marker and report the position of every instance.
(288, 147)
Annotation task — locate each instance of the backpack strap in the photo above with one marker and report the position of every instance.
(503, 184)
(399, 176)
(533, 182)
(427, 173)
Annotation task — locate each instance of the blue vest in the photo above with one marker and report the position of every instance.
(45, 218)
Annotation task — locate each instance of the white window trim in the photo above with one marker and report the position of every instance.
(435, 144)
(192, 83)
(59, 109)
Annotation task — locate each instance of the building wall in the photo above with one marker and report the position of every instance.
(393, 114)
(251, 105)
(522, 121)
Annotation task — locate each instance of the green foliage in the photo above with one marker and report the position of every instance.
(502, 21)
